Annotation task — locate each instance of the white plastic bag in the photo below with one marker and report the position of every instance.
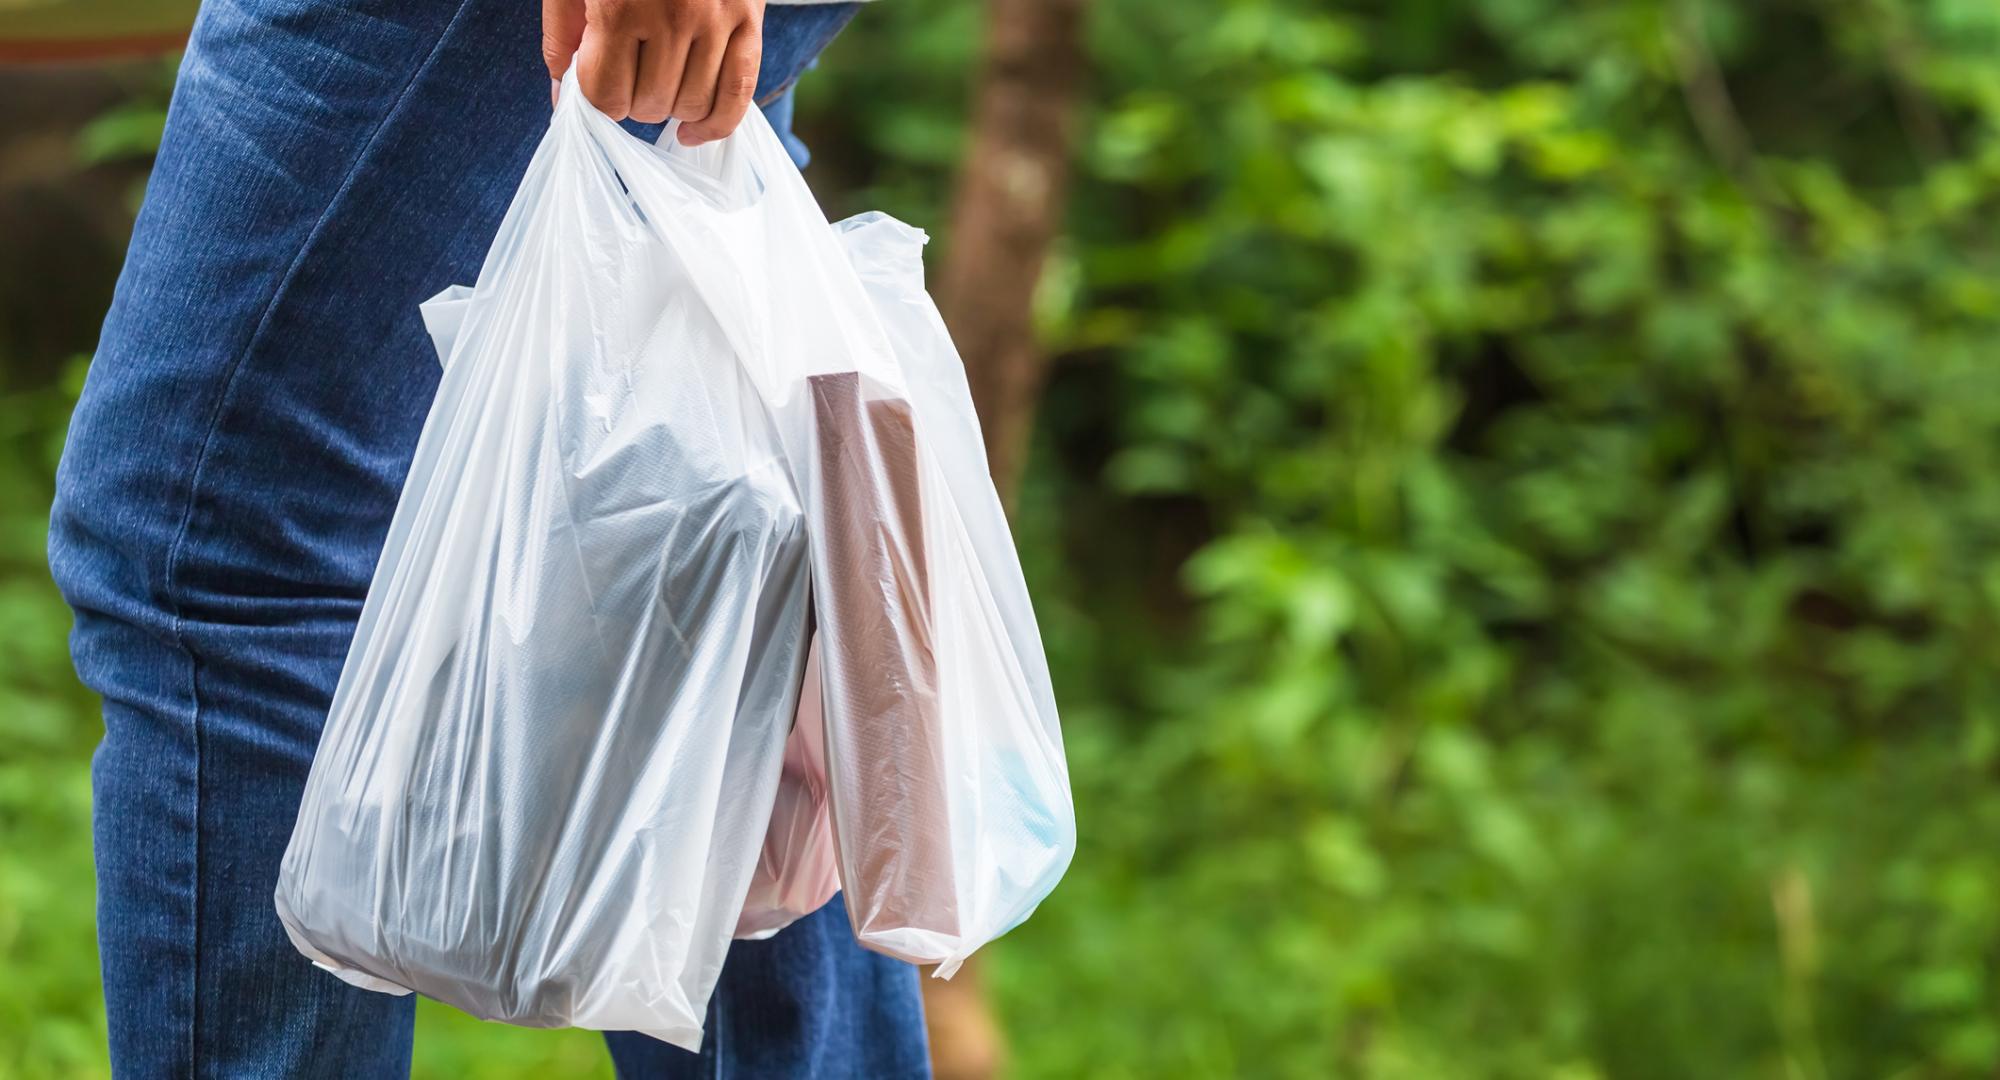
(549, 770)
(552, 753)
(950, 797)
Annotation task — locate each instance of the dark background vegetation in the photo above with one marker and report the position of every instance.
(1512, 505)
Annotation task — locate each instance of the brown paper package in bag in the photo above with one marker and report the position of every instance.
(884, 740)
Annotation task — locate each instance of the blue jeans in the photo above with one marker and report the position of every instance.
(229, 477)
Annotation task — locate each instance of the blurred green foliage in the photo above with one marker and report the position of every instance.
(1515, 512)
(51, 1022)
(1512, 517)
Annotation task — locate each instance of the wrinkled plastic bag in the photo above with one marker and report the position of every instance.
(950, 802)
(548, 777)
(950, 798)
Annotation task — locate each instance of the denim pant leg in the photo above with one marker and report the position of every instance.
(231, 471)
(805, 1004)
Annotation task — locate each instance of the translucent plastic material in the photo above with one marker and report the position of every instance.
(950, 798)
(796, 871)
(681, 419)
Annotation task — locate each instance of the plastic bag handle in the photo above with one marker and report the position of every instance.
(727, 173)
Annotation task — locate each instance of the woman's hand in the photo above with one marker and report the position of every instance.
(695, 60)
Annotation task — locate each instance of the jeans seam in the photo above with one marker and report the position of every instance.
(170, 578)
(721, 997)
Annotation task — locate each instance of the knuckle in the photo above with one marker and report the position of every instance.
(610, 102)
(649, 109)
(618, 15)
(604, 11)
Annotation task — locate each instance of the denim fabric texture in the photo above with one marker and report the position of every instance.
(231, 470)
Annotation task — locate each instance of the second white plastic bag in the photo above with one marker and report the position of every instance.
(949, 793)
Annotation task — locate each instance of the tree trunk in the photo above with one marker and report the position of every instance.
(1008, 210)
(1009, 207)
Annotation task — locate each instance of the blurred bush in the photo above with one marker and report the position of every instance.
(1511, 515)
(1515, 514)
(51, 1021)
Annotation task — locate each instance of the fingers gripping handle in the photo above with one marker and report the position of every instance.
(727, 172)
